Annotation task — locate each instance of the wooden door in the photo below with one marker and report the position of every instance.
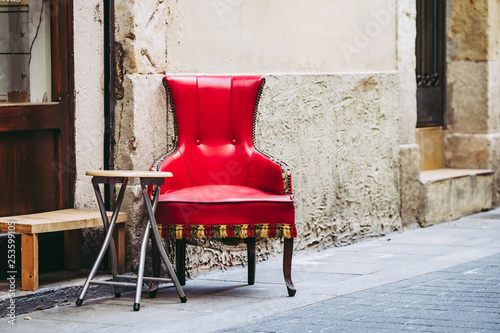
(36, 139)
(37, 136)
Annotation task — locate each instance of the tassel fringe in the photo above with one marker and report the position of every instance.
(178, 231)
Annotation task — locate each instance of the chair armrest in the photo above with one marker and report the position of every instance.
(269, 174)
(287, 176)
(173, 162)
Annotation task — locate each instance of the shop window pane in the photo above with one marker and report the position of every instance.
(25, 59)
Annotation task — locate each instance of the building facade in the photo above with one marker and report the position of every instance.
(342, 105)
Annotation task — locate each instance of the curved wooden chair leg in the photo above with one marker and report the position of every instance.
(180, 260)
(251, 259)
(287, 266)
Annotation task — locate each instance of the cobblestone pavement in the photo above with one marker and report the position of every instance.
(444, 278)
(464, 298)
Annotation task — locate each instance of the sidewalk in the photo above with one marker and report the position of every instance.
(444, 278)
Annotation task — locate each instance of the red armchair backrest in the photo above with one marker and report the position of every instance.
(215, 119)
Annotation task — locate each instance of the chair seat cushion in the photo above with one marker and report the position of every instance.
(225, 211)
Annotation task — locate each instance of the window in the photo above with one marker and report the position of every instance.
(25, 51)
(36, 114)
(36, 106)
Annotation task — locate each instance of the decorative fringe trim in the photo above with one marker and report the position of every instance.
(179, 231)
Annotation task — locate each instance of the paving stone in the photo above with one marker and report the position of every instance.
(441, 329)
(444, 278)
(434, 302)
(457, 324)
(389, 327)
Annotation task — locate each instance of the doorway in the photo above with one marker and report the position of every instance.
(430, 52)
(37, 114)
(431, 62)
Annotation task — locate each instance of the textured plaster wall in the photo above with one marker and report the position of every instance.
(406, 35)
(281, 36)
(339, 134)
(89, 97)
(338, 131)
(89, 111)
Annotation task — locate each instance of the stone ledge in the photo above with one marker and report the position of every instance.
(448, 194)
(444, 174)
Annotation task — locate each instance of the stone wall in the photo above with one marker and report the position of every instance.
(409, 154)
(330, 108)
(473, 87)
(339, 132)
(89, 97)
(89, 112)
(339, 104)
(141, 109)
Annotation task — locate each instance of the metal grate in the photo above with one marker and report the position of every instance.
(430, 67)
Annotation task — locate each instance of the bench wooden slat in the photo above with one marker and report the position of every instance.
(71, 221)
(60, 220)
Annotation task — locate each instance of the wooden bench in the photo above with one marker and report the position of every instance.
(71, 221)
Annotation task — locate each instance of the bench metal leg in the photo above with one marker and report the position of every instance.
(29, 261)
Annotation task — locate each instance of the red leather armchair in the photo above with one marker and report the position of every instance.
(223, 187)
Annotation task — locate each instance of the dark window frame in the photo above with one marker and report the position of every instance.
(430, 53)
(59, 112)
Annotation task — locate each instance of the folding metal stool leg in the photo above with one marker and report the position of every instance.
(112, 249)
(140, 271)
(156, 261)
(156, 235)
(107, 239)
(155, 254)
